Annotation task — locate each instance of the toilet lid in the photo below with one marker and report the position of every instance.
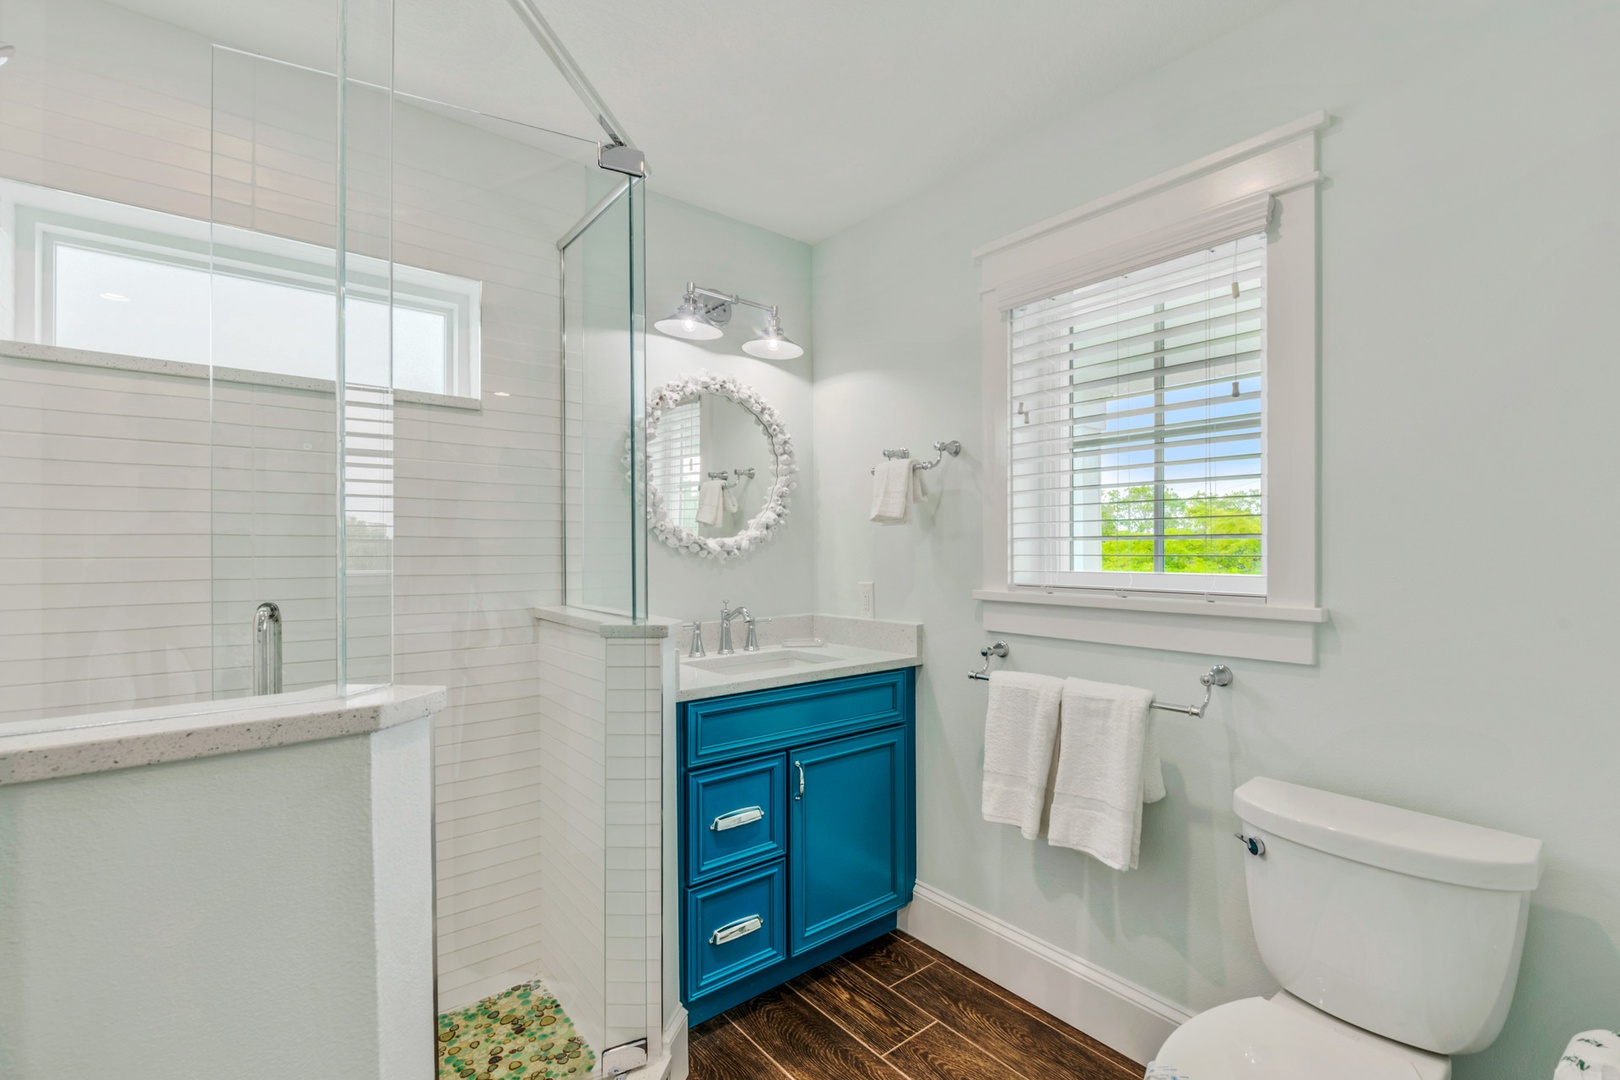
(1256, 1039)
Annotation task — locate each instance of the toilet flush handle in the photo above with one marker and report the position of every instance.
(1255, 845)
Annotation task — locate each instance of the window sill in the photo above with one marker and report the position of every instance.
(1254, 631)
(179, 369)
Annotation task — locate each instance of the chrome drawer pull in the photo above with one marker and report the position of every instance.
(746, 816)
(800, 795)
(733, 931)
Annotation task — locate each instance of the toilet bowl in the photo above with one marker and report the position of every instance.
(1396, 937)
(1284, 1039)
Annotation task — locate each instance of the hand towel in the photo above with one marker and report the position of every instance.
(1591, 1055)
(710, 509)
(893, 492)
(1020, 730)
(1097, 799)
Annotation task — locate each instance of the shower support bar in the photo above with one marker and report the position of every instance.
(602, 207)
(548, 40)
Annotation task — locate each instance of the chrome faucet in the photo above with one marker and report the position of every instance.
(727, 613)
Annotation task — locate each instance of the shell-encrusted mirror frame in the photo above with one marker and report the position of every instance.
(770, 517)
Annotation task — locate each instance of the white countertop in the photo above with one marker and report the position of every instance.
(100, 742)
(851, 647)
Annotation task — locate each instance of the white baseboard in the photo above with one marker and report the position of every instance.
(1110, 1009)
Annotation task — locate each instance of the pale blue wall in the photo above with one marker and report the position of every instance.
(685, 244)
(1469, 381)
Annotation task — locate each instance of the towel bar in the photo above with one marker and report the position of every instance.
(952, 447)
(1219, 675)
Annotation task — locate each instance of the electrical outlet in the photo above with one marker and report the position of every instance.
(866, 600)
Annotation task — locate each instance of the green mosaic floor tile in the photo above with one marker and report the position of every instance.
(522, 1034)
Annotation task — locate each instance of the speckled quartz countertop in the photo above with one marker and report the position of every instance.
(100, 742)
(851, 647)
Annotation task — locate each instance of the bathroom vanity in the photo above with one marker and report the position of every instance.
(797, 795)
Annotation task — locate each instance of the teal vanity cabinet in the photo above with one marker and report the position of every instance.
(798, 830)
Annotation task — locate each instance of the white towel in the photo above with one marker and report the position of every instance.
(895, 485)
(1020, 729)
(1591, 1055)
(1102, 754)
(710, 507)
(892, 489)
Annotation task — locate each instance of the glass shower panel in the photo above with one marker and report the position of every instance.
(276, 450)
(605, 392)
(104, 391)
(366, 348)
(478, 205)
(301, 342)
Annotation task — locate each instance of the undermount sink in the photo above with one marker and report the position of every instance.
(764, 660)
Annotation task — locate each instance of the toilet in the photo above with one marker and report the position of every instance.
(1396, 937)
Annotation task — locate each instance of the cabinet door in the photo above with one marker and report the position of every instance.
(851, 821)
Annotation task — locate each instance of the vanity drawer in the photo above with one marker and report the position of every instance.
(719, 728)
(734, 927)
(735, 816)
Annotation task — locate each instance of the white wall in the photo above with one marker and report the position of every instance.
(1468, 238)
(686, 244)
(257, 908)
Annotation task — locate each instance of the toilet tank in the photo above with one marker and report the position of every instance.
(1403, 924)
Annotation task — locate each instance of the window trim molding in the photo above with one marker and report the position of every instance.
(182, 369)
(1135, 227)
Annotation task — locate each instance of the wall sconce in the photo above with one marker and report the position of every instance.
(703, 314)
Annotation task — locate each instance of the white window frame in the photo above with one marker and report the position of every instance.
(1274, 176)
(44, 219)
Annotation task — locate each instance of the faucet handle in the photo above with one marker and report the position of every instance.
(751, 644)
(697, 638)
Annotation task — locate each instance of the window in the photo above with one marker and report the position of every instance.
(1150, 389)
(125, 280)
(1137, 428)
(677, 462)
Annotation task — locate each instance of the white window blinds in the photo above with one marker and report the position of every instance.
(1137, 429)
(677, 461)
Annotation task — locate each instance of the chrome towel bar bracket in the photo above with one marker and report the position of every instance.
(1219, 675)
(999, 649)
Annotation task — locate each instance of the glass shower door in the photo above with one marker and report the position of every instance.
(604, 376)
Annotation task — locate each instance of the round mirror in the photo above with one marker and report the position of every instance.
(719, 467)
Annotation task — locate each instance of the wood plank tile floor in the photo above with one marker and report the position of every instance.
(897, 1010)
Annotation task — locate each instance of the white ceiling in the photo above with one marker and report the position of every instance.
(803, 116)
